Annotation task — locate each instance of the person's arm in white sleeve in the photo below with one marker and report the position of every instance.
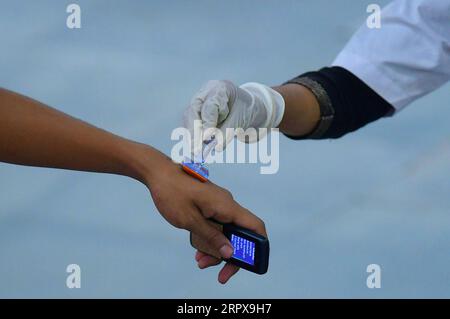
(408, 57)
(378, 72)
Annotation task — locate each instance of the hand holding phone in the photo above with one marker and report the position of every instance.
(250, 250)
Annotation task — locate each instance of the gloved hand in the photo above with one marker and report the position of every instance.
(222, 105)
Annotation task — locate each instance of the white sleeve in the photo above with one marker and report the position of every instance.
(408, 57)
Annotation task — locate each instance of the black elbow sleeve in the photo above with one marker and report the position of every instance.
(348, 103)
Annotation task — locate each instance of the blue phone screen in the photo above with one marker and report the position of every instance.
(244, 249)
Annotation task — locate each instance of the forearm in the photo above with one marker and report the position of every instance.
(34, 134)
(329, 103)
(301, 112)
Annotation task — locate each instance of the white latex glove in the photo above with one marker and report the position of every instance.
(222, 105)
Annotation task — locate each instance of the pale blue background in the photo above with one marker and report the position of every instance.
(380, 195)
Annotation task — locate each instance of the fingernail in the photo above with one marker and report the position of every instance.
(226, 251)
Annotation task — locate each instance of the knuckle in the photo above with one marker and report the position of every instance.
(185, 220)
(262, 223)
(209, 213)
(226, 194)
(195, 104)
(215, 83)
(179, 222)
(188, 221)
(228, 203)
(209, 86)
(229, 194)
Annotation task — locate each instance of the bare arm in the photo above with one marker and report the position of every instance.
(34, 134)
(301, 113)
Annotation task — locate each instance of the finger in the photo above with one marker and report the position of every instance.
(227, 133)
(193, 122)
(214, 111)
(229, 211)
(199, 255)
(208, 261)
(210, 113)
(214, 237)
(205, 247)
(226, 136)
(193, 112)
(209, 132)
(228, 271)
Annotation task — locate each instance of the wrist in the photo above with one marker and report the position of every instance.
(141, 162)
(302, 111)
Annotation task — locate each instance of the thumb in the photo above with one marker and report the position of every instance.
(214, 237)
(214, 110)
(225, 136)
(216, 106)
